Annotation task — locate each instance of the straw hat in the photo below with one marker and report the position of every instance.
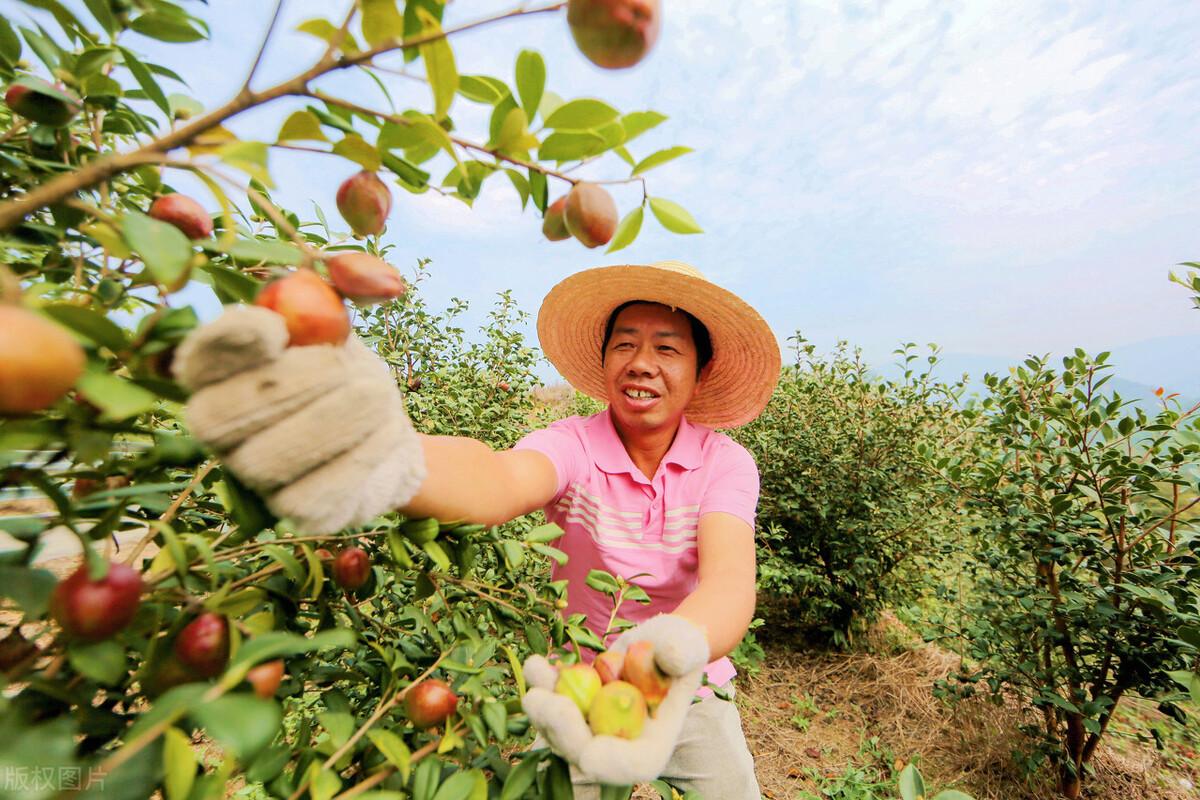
(745, 362)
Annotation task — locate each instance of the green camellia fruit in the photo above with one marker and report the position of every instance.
(93, 610)
(614, 34)
(430, 702)
(580, 682)
(42, 102)
(364, 201)
(590, 214)
(618, 710)
(554, 227)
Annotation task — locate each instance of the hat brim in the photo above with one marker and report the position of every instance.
(746, 359)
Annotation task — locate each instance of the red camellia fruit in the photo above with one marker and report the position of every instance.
(266, 677)
(618, 710)
(351, 568)
(39, 361)
(95, 610)
(580, 682)
(311, 309)
(41, 102)
(363, 278)
(430, 702)
(608, 666)
(184, 213)
(364, 202)
(641, 670)
(554, 227)
(590, 214)
(614, 34)
(203, 645)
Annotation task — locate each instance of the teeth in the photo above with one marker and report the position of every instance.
(639, 394)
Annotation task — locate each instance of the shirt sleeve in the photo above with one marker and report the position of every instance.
(733, 485)
(561, 444)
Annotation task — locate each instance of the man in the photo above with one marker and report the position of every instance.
(643, 488)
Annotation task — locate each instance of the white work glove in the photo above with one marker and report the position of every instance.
(681, 652)
(319, 431)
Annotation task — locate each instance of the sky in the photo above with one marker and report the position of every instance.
(996, 177)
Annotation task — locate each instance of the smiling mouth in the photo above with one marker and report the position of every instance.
(640, 394)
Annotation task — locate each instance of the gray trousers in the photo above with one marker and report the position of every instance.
(711, 757)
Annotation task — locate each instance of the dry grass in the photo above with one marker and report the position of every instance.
(842, 700)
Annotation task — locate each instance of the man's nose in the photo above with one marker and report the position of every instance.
(643, 360)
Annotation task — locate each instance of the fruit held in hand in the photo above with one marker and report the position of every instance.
(95, 610)
(39, 361)
(203, 645)
(266, 677)
(184, 213)
(363, 278)
(351, 568)
(641, 670)
(580, 682)
(618, 710)
(608, 665)
(554, 227)
(590, 214)
(39, 101)
(430, 702)
(364, 201)
(311, 309)
(614, 34)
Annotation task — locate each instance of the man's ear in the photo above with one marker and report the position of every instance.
(702, 378)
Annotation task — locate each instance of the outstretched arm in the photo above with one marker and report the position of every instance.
(722, 604)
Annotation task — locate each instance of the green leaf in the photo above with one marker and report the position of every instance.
(179, 764)
(260, 251)
(91, 324)
(601, 581)
(661, 157)
(673, 216)
(103, 662)
(638, 122)
(911, 784)
(103, 14)
(521, 184)
(394, 750)
(544, 533)
(381, 22)
(323, 784)
(471, 785)
(482, 89)
(117, 397)
(531, 80)
(279, 643)
(166, 28)
(628, 230)
(582, 115)
(514, 137)
(10, 43)
(232, 283)
(163, 247)
(183, 106)
(339, 724)
(355, 148)
(550, 552)
(146, 80)
(439, 65)
(249, 157)
(325, 30)
(520, 778)
(30, 588)
(241, 722)
(438, 554)
(411, 176)
(571, 145)
(301, 126)
(952, 794)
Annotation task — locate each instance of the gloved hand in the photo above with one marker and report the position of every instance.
(681, 652)
(319, 431)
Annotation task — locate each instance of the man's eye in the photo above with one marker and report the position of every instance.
(667, 347)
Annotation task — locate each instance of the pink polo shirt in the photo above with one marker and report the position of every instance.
(619, 521)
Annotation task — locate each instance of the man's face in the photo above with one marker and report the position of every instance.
(650, 367)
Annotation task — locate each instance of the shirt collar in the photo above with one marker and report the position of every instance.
(610, 454)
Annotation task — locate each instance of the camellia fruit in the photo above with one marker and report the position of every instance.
(351, 568)
(590, 214)
(364, 201)
(311, 309)
(554, 227)
(430, 702)
(608, 664)
(641, 670)
(95, 610)
(184, 213)
(618, 710)
(266, 677)
(39, 361)
(363, 278)
(41, 102)
(614, 34)
(203, 645)
(580, 682)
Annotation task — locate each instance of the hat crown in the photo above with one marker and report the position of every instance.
(680, 267)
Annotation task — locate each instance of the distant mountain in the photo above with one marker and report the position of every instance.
(1172, 362)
